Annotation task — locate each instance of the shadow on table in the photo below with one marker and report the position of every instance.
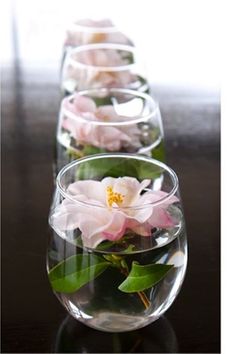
(73, 337)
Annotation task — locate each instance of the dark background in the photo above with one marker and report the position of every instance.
(33, 321)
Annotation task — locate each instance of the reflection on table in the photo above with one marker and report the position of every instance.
(73, 337)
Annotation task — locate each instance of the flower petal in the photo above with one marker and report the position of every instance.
(90, 189)
(84, 104)
(103, 225)
(70, 125)
(155, 196)
(107, 113)
(142, 229)
(117, 227)
(131, 188)
(65, 217)
(109, 138)
(161, 218)
(94, 241)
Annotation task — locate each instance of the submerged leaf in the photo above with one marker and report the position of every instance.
(143, 277)
(76, 271)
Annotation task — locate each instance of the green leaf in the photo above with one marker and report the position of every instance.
(74, 154)
(91, 150)
(129, 249)
(103, 101)
(158, 153)
(105, 245)
(76, 271)
(98, 169)
(147, 170)
(128, 56)
(113, 167)
(87, 150)
(143, 277)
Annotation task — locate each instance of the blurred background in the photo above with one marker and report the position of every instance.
(179, 40)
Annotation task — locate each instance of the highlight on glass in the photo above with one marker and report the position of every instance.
(117, 255)
(103, 65)
(108, 120)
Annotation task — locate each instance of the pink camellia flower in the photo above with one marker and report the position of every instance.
(85, 130)
(76, 35)
(97, 70)
(110, 207)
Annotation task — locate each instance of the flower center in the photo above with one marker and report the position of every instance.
(113, 197)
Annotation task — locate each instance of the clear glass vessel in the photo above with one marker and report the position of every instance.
(108, 120)
(117, 255)
(103, 65)
(88, 31)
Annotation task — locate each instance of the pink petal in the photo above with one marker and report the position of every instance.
(90, 189)
(161, 218)
(109, 138)
(169, 201)
(69, 125)
(117, 227)
(68, 105)
(131, 188)
(107, 113)
(104, 225)
(155, 196)
(84, 104)
(142, 229)
(111, 135)
(94, 221)
(94, 241)
(67, 215)
(141, 215)
(100, 57)
(95, 23)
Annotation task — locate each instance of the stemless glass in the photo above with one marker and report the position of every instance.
(108, 120)
(117, 255)
(103, 65)
(87, 31)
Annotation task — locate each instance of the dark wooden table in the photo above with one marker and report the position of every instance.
(33, 320)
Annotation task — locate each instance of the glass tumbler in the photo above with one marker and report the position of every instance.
(88, 31)
(103, 65)
(108, 120)
(117, 254)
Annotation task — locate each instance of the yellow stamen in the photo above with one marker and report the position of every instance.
(113, 197)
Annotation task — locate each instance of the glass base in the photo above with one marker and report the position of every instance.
(73, 337)
(108, 322)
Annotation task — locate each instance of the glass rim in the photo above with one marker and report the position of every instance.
(95, 46)
(92, 29)
(158, 163)
(148, 98)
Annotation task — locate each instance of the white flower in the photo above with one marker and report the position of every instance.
(76, 35)
(105, 210)
(111, 138)
(90, 75)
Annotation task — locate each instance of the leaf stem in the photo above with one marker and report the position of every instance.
(120, 263)
(144, 299)
(141, 294)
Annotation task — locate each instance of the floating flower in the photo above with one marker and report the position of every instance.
(86, 131)
(95, 68)
(76, 35)
(105, 210)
